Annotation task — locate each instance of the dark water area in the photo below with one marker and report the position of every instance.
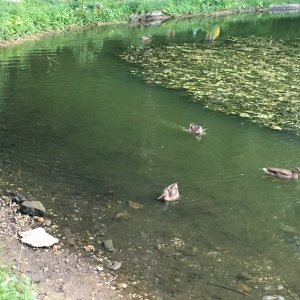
(84, 135)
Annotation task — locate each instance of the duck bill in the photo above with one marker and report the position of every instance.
(161, 196)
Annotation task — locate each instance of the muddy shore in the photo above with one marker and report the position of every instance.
(56, 273)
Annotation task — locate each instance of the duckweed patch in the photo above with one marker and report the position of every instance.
(255, 78)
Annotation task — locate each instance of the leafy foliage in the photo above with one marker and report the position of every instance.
(13, 287)
(250, 77)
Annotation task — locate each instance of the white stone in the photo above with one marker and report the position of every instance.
(38, 237)
(275, 297)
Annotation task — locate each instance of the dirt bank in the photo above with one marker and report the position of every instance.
(56, 273)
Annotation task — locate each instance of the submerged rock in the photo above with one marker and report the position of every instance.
(68, 235)
(244, 276)
(38, 238)
(115, 266)
(108, 245)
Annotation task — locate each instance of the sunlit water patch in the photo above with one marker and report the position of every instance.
(85, 136)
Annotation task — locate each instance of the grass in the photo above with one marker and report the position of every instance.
(13, 287)
(27, 17)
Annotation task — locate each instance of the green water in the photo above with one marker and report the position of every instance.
(84, 135)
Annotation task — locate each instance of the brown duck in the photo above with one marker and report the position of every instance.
(170, 193)
(196, 129)
(283, 173)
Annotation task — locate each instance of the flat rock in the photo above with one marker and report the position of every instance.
(38, 238)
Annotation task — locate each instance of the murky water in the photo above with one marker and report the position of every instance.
(84, 135)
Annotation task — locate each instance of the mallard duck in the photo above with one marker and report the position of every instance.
(282, 173)
(146, 37)
(196, 129)
(170, 193)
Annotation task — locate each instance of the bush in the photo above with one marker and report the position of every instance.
(13, 287)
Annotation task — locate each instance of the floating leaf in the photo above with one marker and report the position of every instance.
(244, 115)
(134, 205)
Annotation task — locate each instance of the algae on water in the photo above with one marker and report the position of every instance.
(252, 77)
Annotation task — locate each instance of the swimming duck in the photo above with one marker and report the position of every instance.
(283, 173)
(170, 193)
(146, 37)
(196, 129)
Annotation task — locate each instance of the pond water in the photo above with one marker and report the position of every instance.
(84, 135)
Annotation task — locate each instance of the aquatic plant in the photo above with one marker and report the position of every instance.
(251, 77)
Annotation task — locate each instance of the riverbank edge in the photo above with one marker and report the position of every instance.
(36, 36)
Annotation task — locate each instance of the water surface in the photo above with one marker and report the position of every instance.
(84, 135)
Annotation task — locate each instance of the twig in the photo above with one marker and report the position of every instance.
(247, 228)
(176, 258)
(137, 288)
(53, 60)
(19, 261)
(226, 287)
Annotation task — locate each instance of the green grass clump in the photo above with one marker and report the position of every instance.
(14, 287)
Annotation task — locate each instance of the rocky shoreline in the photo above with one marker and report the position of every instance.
(56, 273)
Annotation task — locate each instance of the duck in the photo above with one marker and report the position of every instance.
(146, 37)
(196, 129)
(282, 173)
(170, 193)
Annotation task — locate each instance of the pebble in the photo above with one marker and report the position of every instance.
(115, 266)
(121, 286)
(47, 222)
(244, 288)
(99, 268)
(56, 247)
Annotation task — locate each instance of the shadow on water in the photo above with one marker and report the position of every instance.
(82, 133)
